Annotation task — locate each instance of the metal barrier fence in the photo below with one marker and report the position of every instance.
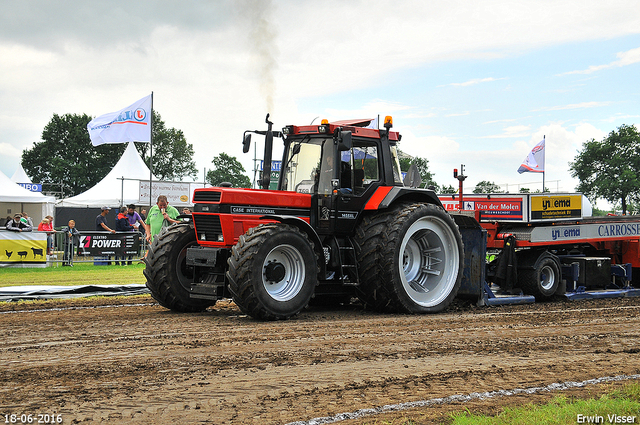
(97, 248)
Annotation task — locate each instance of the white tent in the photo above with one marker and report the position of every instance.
(20, 176)
(15, 198)
(120, 187)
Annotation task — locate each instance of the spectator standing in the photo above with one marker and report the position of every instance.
(25, 215)
(47, 226)
(123, 225)
(161, 215)
(101, 220)
(44, 224)
(51, 234)
(137, 221)
(19, 224)
(101, 225)
(71, 240)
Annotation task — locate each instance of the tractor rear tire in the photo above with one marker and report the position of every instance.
(419, 261)
(368, 242)
(542, 278)
(168, 277)
(272, 271)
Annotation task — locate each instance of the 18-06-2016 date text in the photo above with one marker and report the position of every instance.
(37, 418)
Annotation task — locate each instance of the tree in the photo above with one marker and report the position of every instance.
(172, 155)
(227, 169)
(65, 156)
(486, 186)
(423, 168)
(608, 168)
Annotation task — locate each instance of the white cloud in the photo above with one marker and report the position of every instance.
(582, 105)
(629, 57)
(500, 164)
(206, 70)
(473, 82)
(621, 117)
(513, 131)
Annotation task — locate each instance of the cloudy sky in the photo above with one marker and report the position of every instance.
(467, 82)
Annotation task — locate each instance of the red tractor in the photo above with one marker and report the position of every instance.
(341, 224)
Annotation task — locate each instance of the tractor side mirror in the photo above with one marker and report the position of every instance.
(345, 143)
(246, 142)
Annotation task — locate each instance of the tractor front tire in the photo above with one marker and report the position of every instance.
(168, 277)
(272, 271)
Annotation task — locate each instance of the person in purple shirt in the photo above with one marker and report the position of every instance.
(136, 221)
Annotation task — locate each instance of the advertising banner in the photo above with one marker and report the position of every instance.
(177, 193)
(616, 231)
(23, 249)
(554, 207)
(33, 187)
(104, 243)
(275, 173)
(131, 124)
(495, 208)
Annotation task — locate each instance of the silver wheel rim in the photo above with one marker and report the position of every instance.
(294, 273)
(430, 260)
(547, 278)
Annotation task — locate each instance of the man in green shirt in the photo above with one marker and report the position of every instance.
(160, 215)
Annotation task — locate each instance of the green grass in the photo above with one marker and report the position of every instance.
(79, 274)
(560, 410)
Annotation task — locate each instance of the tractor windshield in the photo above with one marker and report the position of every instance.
(302, 164)
(310, 164)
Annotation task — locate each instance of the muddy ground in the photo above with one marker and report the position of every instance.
(101, 361)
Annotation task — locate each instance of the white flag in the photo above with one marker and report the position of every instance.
(534, 162)
(131, 124)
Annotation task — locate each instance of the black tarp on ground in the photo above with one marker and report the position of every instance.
(38, 292)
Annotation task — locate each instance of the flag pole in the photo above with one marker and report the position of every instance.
(151, 156)
(544, 159)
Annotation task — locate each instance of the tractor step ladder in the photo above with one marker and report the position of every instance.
(348, 263)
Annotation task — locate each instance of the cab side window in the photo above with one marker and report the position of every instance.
(363, 168)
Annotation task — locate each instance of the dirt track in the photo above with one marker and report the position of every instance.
(145, 364)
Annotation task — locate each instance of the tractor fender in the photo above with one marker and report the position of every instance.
(384, 197)
(305, 227)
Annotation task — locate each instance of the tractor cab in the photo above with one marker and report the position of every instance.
(340, 165)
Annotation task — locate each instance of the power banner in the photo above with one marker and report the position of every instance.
(102, 243)
(556, 207)
(23, 249)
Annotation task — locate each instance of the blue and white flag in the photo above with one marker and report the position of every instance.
(534, 163)
(131, 124)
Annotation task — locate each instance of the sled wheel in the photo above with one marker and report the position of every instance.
(272, 271)
(168, 277)
(541, 280)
